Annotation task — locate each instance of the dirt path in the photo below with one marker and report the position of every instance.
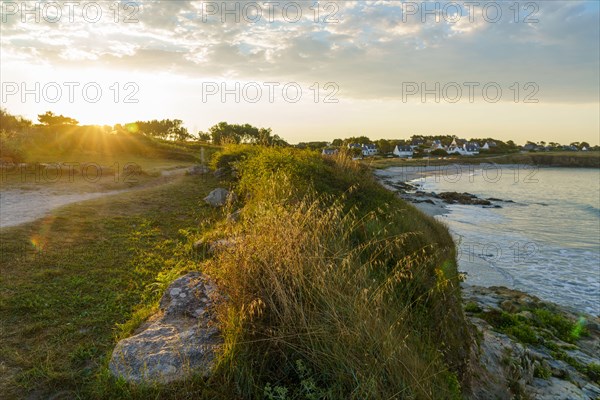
(18, 206)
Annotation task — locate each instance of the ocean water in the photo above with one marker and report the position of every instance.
(546, 243)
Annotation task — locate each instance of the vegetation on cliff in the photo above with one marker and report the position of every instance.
(336, 288)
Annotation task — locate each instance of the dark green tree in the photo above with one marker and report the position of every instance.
(50, 119)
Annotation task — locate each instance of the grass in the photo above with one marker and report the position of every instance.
(336, 288)
(72, 283)
(543, 323)
(331, 271)
(88, 169)
(546, 327)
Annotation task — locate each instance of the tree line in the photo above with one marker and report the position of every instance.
(224, 133)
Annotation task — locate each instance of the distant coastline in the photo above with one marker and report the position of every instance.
(547, 159)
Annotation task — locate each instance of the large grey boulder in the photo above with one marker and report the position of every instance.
(217, 197)
(182, 341)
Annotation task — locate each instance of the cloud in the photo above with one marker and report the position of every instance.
(370, 52)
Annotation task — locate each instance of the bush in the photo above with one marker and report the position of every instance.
(11, 150)
(439, 153)
(230, 155)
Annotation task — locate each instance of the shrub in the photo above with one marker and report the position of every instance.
(439, 153)
(10, 149)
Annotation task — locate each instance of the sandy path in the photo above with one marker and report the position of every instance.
(19, 206)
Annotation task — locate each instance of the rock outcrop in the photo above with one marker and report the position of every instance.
(463, 198)
(532, 362)
(181, 341)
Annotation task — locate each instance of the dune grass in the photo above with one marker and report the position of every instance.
(337, 289)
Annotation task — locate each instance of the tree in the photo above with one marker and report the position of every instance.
(203, 136)
(223, 133)
(337, 143)
(11, 123)
(312, 145)
(439, 153)
(356, 152)
(584, 144)
(358, 140)
(384, 146)
(50, 119)
(165, 129)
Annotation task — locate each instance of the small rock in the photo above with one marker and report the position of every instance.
(509, 306)
(218, 197)
(526, 314)
(221, 244)
(198, 244)
(221, 173)
(559, 368)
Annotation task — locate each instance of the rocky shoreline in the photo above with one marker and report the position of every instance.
(524, 348)
(433, 203)
(529, 349)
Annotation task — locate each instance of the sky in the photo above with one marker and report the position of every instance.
(311, 70)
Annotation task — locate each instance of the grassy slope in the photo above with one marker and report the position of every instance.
(341, 290)
(554, 159)
(61, 302)
(92, 144)
(337, 288)
(76, 156)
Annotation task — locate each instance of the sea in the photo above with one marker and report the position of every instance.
(545, 238)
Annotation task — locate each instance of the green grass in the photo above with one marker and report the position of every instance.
(544, 322)
(547, 327)
(336, 288)
(96, 270)
(82, 169)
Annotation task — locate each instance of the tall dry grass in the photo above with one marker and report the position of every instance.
(327, 300)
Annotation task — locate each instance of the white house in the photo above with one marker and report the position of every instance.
(367, 149)
(488, 145)
(403, 151)
(436, 145)
(466, 149)
(329, 152)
